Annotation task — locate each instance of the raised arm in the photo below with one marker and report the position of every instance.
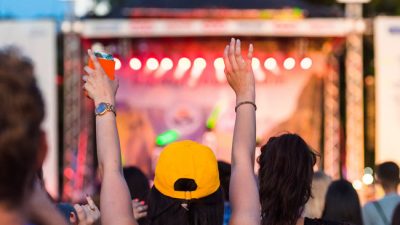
(115, 206)
(243, 194)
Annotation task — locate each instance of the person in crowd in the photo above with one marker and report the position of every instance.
(186, 188)
(286, 161)
(224, 169)
(81, 214)
(23, 148)
(342, 203)
(380, 212)
(396, 216)
(22, 145)
(139, 188)
(319, 187)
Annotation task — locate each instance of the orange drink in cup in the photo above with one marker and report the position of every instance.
(107, 63)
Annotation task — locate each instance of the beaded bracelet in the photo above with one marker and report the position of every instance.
(245, 102)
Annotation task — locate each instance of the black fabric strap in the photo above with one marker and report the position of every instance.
(381, 213)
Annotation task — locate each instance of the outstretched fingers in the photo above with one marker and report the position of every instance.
(228, 66)
(96, 63)
(232, 55)
(238, 55)
(250, 56)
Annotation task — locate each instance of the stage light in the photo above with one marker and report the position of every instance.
(357, 184)
(368, 179)
(200, 63)
(368, 170)
(219, 64)
(118, 64)
(289, 63)
(135, 64)
(167, 137)
(213, 118)
(152, 64)
(69, 173)
(166, 64)
(255, 63)
(270, 64)
(306, 63)
(184, 63)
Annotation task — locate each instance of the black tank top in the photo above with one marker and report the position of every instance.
(308, 221)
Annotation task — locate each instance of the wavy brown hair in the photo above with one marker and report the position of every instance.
(285, 176)
(21, 114)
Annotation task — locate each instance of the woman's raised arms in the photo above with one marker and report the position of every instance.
(244, 195)
(115, 206)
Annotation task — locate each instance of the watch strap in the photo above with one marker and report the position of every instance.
(109, 108)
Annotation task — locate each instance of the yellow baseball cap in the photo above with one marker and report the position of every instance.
(187, 170)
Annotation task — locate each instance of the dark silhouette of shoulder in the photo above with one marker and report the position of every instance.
(309, 221)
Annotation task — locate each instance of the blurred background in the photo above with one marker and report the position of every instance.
(328, 70)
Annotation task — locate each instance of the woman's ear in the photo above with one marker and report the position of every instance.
(42, 151)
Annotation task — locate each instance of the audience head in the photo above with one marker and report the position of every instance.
(342, 203)
(396, 216)
(315, 204)
(225, 178)
(186, 187)
(285, 176)
(21, 138)
(138, 183)
(387, 175)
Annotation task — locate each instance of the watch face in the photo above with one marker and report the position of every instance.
(101, 108)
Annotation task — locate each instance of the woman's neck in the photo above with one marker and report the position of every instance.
(11, 216)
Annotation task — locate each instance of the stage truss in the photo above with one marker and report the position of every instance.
(77, 120)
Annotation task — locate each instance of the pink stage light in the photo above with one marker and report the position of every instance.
(200, 63)
(255, 63)
(135, 64)
(289, 63)
(219, 64)
(198, 67)
(152, 64)
(118, 64)
(258, 73)
(166, 64)
(184, 63)
(270, 64)
(306, 63)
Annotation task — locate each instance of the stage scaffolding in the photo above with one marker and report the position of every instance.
(77, 120)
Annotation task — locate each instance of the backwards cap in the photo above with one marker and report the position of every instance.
(187, 170)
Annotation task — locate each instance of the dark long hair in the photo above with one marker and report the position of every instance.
(285, 176)
(164, 210)
(137, 182)
(342, 203)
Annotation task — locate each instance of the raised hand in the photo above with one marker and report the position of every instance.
(238, 70)
(243, 186)
(88, 214)
(97, 84)
(139, 209)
